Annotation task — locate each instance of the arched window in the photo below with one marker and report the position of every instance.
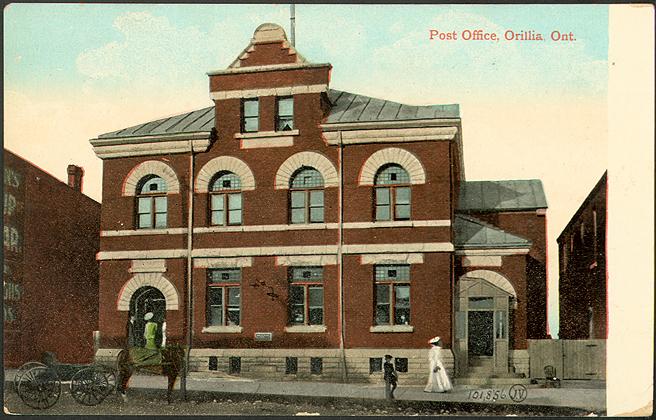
(392, 191)
(306, 196)
(151, 203)
(225, 199)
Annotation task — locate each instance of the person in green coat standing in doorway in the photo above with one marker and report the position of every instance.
(150, 331)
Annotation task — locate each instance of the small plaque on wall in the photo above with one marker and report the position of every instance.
(263, 336)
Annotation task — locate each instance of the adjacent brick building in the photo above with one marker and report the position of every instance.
(50, 274)
(582, 283)
(328, 229)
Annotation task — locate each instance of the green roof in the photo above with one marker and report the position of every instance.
(470, 232)
(502, 195)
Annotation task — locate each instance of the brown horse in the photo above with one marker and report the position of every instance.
(172, 362)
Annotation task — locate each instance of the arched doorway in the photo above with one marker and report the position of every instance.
(484, 301)
(146, 299)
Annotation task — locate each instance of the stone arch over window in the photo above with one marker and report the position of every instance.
(151, 167)
(308, 159)
(155, 280)
(228, 164)
(493, 278)
(401, 157)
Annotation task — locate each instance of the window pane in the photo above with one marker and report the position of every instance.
(153, 185)
(297, 314)
(226, 181)
(382, 212)
(251, 124)
(500, 321)
(286, 106)
(224, 275)
(298, 199)
(481, 303)
(160, 204)
(217, 218)
(382, 196)
(316, 198)
(251, 107)
(218, 201)
(382, 314)
(215, 296)
(160, 220)
(403, 211)
(234, 201)
(315, 296)
(235, 217)
(305, 274)
(403, 196)
(285, 123)
(145, 205)
(296, 295)
(215, 315)
(298, 215)
(392, 272)
(145, 221)
(234, 296)
(316, 214)
(316, 316)
(233, 316)
(402, 305)
(382, 293)
(392, 174)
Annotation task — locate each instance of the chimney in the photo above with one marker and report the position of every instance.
(75, 174)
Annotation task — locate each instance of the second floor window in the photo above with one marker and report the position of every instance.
(223, 296)
(151, 203)
(225, 200)
(392, 294)
(285, 114)
(250, 115)
(306, 196)
(306, 296)
(392, 193)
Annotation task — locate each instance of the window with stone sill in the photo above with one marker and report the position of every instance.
(306, 197)
(250, 115)
(285, 113)
(392, 295)
(305, 301)
(223, 297)
(392, 194)
(151, 203)
(225, 199)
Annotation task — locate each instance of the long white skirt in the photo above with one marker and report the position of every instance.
(438, 381)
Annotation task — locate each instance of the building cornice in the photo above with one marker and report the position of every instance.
(428, 122)
(390, 135)
(276, 91)
(493, 251)
(115, 147)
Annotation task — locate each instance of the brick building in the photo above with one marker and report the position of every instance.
(50, 275)
(582, 283)
(328, 228)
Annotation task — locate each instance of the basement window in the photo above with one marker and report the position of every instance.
(316, 365)
(213, 363)
(291, 365)
(234, 365)
(401, 364)
(375, 365)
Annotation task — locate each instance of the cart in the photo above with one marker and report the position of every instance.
(39, 385)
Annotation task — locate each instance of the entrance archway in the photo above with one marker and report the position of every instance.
(146, 299)
(483, 302)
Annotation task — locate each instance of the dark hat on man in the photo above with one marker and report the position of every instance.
(388, 356)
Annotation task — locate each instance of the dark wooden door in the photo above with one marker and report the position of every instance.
(481, 328)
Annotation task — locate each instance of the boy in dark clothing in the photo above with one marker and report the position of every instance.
(390, 377)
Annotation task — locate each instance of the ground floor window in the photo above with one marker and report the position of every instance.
(392, 294)
(223, 296)
(306, 296)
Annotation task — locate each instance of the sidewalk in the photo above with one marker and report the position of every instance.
(586, 395)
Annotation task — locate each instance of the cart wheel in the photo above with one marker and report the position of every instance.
(90, 386)
(109, 377)
(21, 371)
(39, 387)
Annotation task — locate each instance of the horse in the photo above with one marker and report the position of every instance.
(172, 362)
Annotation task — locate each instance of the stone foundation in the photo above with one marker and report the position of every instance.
(519, 360)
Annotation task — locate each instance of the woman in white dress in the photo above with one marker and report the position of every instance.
(438, 380)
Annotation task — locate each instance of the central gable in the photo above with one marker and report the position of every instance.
(269, 46)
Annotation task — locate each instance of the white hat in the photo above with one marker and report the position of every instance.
(434, 340)
(148, 316)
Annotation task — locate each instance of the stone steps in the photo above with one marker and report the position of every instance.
(492, 381)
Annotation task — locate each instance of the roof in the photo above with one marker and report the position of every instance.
(351, 107)
(347, 107)
(502, 195)
(470, 232)
(201, 120)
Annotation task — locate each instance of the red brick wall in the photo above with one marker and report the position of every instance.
(58, 305)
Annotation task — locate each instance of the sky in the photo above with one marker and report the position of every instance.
(532, 109)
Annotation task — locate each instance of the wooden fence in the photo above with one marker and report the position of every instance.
(573, 359)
